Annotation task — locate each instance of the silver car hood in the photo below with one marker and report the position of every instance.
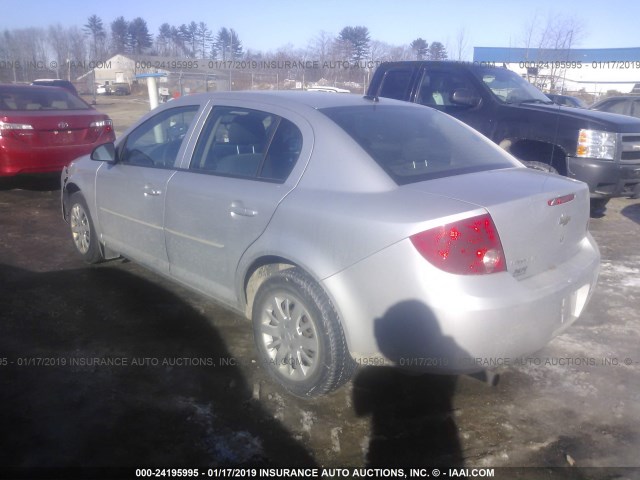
(541, 218)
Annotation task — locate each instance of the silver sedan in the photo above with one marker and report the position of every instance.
(350, 230)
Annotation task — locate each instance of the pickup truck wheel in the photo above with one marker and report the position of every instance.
(82, 231)
(543, 167)
(298, 335)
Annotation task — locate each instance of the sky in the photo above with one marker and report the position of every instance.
(270, 25)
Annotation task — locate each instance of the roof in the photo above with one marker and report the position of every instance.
(34, 88)
(515, 55)
(292, 98)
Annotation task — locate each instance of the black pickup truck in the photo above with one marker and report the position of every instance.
(600, 149)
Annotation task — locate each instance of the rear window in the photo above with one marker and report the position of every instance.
(416, 144)
(38, 99)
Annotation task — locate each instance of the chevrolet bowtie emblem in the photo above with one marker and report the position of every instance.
(564, 220)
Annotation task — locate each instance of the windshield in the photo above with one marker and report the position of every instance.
(414, 144)
(509, 87)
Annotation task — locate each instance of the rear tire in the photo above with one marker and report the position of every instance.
(82, 230)
(298, 335)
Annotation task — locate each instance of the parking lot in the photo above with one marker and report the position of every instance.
(111, 365)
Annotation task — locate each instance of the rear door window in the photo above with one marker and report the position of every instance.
(247, 143)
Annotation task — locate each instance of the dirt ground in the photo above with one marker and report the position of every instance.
(113, 366)
(124, 111)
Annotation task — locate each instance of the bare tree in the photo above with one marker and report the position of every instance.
(8, 50)
(321, 48)
(462, 44)
(78, 50)
(380, 51)
(552, 41)
(69, 48)
(27, 49)
(401, 52)
(59, 42)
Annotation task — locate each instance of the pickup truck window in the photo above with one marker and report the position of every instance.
(509, 87)
(437, 88)
(415, 144)
(396, 84)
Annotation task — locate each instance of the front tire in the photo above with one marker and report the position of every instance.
(82, 230)
(298, 335)
(599, 207)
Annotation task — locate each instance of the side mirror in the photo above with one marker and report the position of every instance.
(104, 153)
(465, 97)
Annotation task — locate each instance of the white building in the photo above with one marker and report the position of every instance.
(182, 75)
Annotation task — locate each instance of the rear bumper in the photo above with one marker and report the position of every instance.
(605, 178)
(21, 161)
(418, 317)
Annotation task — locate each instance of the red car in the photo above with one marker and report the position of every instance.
(42, 129)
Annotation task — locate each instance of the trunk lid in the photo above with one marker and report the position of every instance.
(56, 128)
(541, 218)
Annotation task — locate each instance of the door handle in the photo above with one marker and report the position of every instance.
(238, 208)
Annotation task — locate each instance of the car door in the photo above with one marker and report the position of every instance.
(243, 165)
(130, 194)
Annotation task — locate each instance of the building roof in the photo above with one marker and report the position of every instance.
(516, 55)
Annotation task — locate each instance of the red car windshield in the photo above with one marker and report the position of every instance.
(38, 99)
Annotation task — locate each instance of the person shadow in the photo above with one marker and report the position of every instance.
(412, 414)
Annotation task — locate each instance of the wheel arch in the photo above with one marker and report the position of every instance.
(537, 151)
(69, 189)
(258, 271)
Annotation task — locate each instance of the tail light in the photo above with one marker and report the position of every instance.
(107, 125)
(99, 128)
(468, 247)
(15, 129)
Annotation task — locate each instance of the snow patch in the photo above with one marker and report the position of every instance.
(307, 421)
